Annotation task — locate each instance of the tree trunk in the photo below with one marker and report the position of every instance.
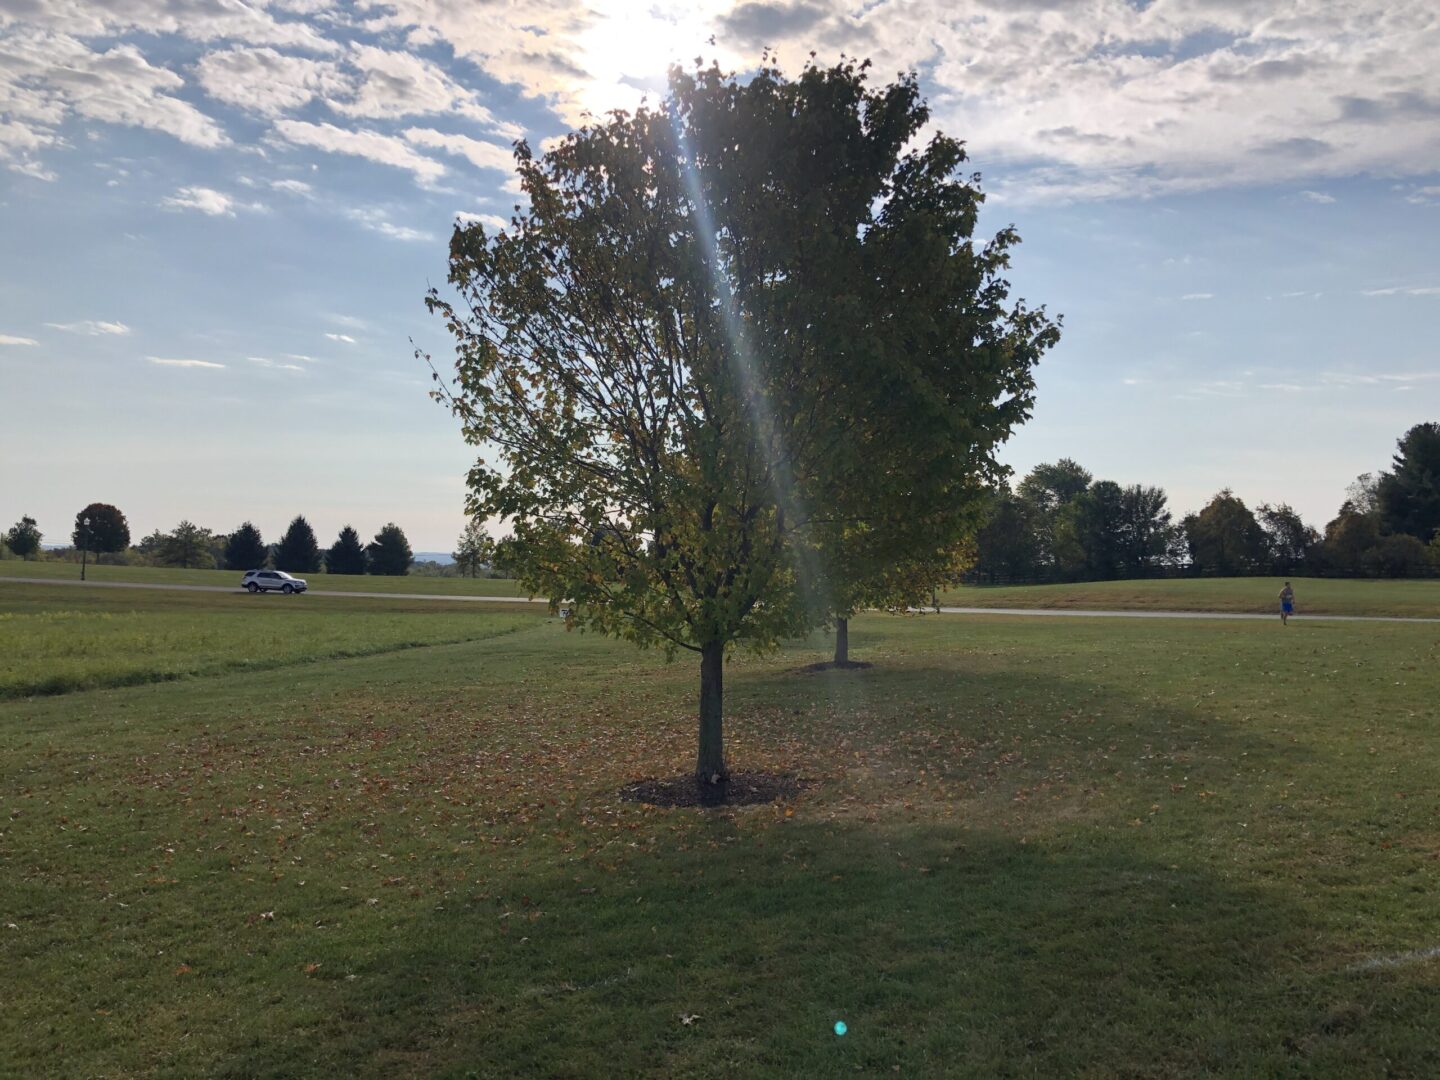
(710, 762)
(842, 642)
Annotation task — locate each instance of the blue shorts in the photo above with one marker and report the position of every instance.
(1287, 606)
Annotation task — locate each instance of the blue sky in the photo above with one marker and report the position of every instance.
(219, 221)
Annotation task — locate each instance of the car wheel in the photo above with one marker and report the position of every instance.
(253, 588)
(287, 589)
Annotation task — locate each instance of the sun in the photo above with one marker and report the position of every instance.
(630, 44)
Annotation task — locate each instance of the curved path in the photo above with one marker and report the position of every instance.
(1039, 612)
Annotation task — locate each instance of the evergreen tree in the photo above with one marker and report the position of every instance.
(297, 552)
(245, 549)
(1409, 495)
(389, 553)
(346, 555)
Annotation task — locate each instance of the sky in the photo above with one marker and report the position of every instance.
(219, 219)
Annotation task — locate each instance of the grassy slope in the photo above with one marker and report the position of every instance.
(58, 641)
(1315, 596)
(159, 575)
(1104, 848)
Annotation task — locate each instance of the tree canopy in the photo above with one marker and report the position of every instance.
(107, 531)
(474, 549)
(188, 546)
(678, 354)
(1408, 496)
(24, 538)
(389, 553)
(245, 549)
(297, 552)
(347, 554)
(1224, 537)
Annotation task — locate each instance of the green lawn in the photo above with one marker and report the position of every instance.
(161, 575)
(1150, 848)
(61, 641)
(1314, 596)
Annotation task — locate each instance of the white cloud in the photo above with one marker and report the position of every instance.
(91, 327)
(207, 201)
(1404, 290)
(197, 20)
(372, 145)
(11, 339)
(268, 82)
(481, 154)
(346, 338)
(1198, 296)
(494, 221)
(266, 362)
(1317, 197)
(47, 77)
(378, 221)
(166, 361)
(293, 187)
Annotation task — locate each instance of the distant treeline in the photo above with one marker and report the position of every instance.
(102, 534)
(1061, 524)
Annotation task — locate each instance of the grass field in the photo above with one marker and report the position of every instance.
(1100, 848)
(1314, 596)
(161, 575)
(107, 638)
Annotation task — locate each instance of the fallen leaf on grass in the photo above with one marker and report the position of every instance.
(183, 969)
(310, 969)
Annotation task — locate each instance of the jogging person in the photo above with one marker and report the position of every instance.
(1287, 603)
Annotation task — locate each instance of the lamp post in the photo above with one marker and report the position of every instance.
(84, 543)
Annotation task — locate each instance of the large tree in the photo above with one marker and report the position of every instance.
(24, 538)
(245, 549)
(1008, 545)
(1048, 489)
(1349, 538)
(101, 528)
(347, 554)
(1290, 543)
(1409, 495)
(188, 546)
(389, 553)
(1224, 537)
(669, 354)
(1147, 535)
(474, 549)
(297, 552)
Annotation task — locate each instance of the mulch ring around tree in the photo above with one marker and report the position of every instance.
(742, 789)
(831, 665)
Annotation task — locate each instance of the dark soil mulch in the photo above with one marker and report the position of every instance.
(831, 665)
(742, 789)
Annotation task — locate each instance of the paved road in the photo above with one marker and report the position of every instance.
(1079, 612)
(1046, 612)
(229, 589)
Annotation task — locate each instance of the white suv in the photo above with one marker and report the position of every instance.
(270, 580)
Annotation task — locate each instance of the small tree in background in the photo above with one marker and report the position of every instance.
(474, 549)
(1349, 537)
(1398, 555)
(346, 555)
(297, 552)
(1224, 538)
(389, 553)
(188, 547)
(24, 538)
(107, 532)
(1008, 544)
(1291, 544)
(245, 549)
